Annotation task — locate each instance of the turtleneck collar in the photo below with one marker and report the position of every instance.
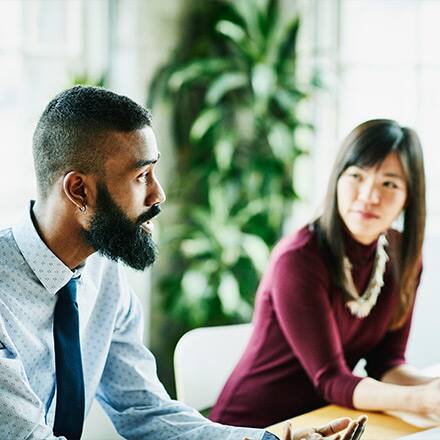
(356, 251)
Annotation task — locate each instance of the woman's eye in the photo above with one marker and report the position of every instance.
(355, 176)
(389, 184)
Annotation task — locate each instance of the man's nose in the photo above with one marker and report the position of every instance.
(156, 195)
(161, 193)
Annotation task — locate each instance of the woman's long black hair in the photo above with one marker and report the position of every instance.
(367, 146)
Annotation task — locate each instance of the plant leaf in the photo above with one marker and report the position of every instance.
(272, 13)
(253, 208)
(288, 99)
(219, 205)
(267, 18)
(224, 84)
(229, 293)
(206, 120)
(248, 10)
(202, 219)
(229, 238)
(224, 151)
(196, 246)
(287, 50)
(256, 250)
(196, 71)
(281, 142)
(236, 34)
(231, 30)
(194, 285)
(263, 80)
(159, 84)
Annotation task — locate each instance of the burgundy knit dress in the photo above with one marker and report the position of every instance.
(305, 341)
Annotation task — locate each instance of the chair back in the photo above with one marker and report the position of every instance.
(203, 360)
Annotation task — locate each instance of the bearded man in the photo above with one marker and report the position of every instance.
(70, 326)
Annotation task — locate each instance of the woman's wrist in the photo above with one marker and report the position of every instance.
(378, 396)
(419, 399)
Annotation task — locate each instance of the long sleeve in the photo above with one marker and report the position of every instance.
(390, 352)
(117, 368)
(22, 414)
(136, 401)
(305, 342)
(302, 306)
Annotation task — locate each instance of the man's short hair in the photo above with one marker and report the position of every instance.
(72, 130)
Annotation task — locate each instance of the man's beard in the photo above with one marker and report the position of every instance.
(115, 236)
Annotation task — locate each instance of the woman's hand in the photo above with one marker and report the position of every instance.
(353, 430)
(429, 396)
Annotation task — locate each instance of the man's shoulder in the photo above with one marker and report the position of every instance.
(14, 270)
(9, 251)
(6, 235)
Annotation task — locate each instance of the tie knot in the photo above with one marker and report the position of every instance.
(68, 292)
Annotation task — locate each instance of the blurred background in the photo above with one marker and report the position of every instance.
(250, 100)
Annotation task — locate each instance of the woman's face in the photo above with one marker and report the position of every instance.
(370, 199)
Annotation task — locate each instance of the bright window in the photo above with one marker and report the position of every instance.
(378, 59)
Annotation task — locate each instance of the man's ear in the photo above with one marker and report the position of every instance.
(77, 190)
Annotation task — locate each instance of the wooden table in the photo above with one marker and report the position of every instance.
(380, 426)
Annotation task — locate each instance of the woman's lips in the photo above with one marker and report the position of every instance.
(367, 215)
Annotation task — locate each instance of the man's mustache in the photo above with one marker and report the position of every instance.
(152, 212)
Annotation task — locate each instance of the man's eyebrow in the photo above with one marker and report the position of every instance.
(144, 162)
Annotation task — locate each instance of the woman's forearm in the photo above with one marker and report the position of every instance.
(403, 388)
(406, 375)
(373, 395)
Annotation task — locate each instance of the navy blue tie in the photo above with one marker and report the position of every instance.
(69, 413)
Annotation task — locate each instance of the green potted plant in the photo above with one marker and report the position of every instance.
(233, 91)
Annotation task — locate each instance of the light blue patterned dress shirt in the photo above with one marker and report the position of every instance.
(118, 369)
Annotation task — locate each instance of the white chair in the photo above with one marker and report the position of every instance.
(203, 360)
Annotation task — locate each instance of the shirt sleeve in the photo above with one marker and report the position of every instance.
(269, 436)
(302, 306)
(135, 400)
(21, 411)
(390, 352)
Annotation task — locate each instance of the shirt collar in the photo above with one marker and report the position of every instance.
(48, 268)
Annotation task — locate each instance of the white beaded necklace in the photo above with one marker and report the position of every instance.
(361, 305)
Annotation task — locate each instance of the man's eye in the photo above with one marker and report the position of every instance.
(144, 177)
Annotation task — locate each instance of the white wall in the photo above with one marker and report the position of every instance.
(378, 59)
(423, 347)
(43, 44)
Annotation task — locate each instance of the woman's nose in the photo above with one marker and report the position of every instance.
(369, 193)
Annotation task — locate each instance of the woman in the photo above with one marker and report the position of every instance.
(339, 290)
